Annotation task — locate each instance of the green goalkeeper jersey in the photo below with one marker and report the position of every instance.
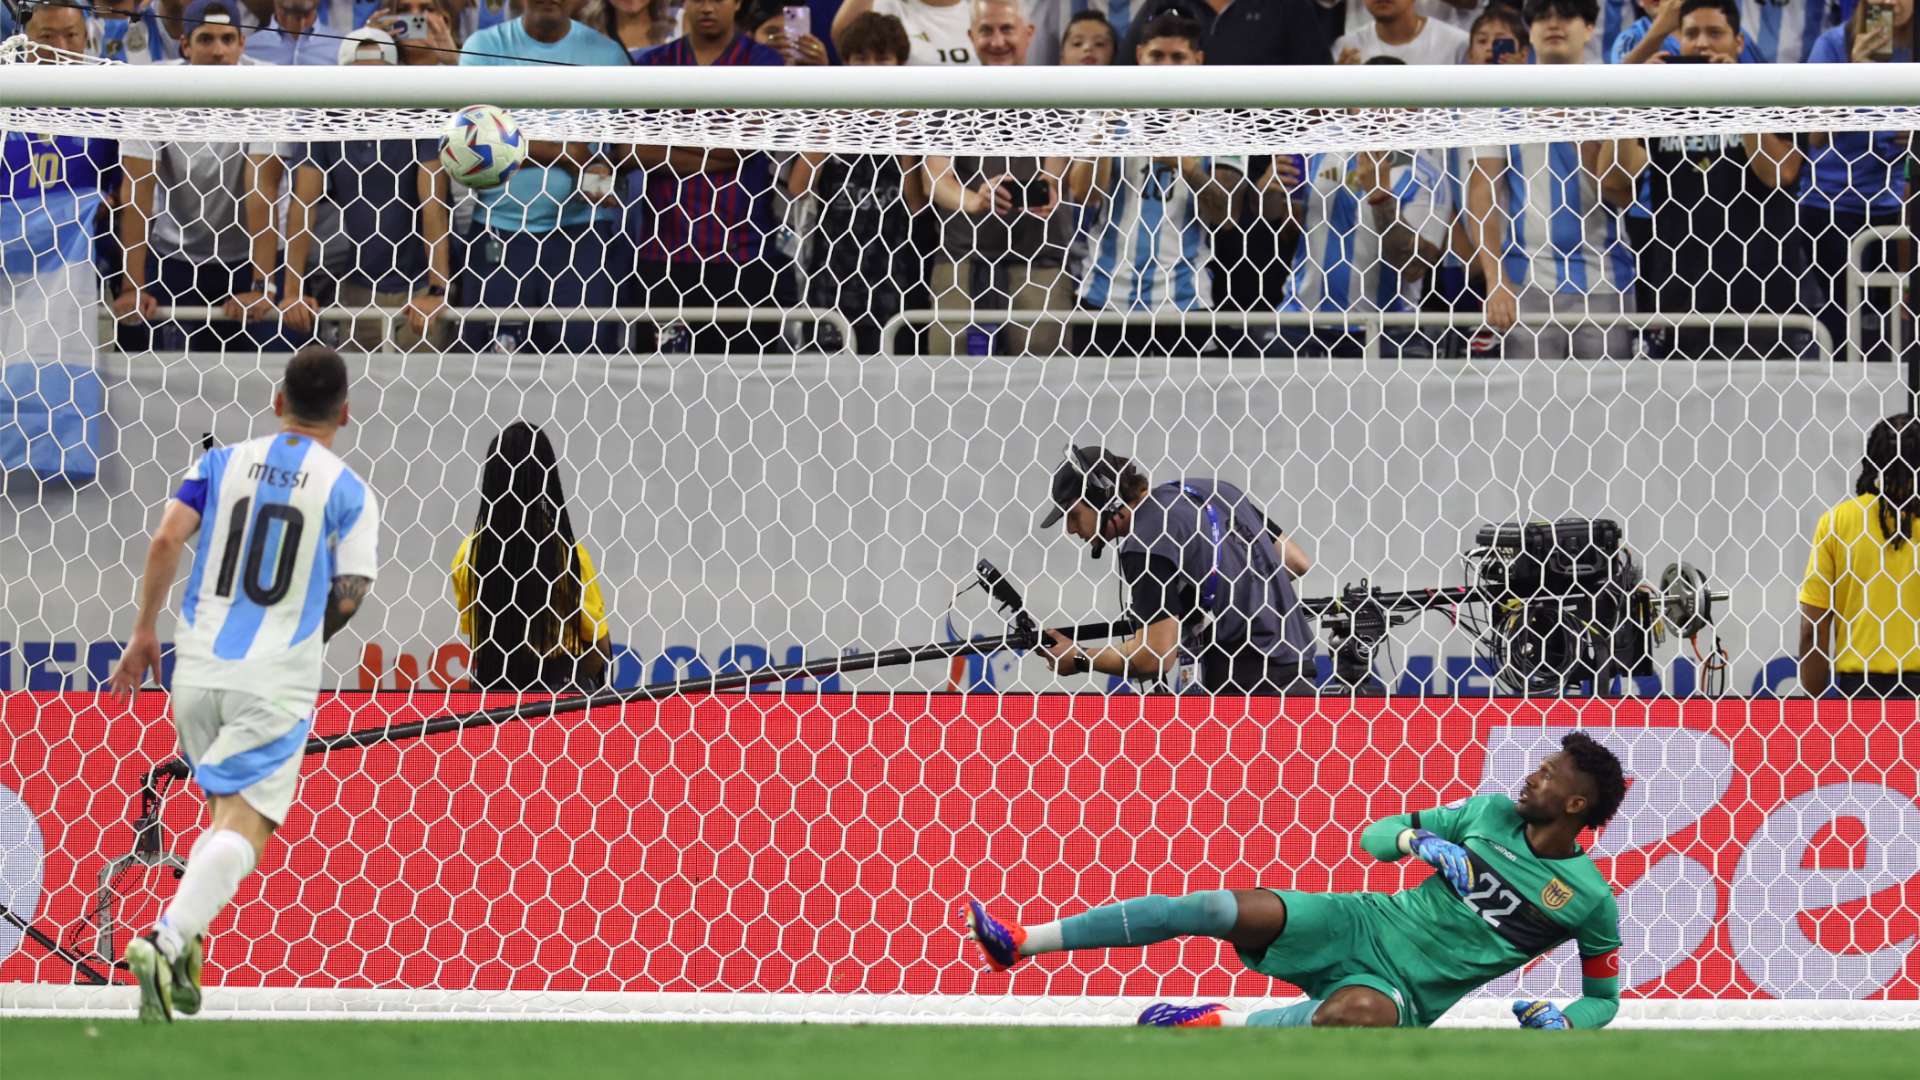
(1521, 905)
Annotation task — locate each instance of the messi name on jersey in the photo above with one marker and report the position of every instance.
(274, 476)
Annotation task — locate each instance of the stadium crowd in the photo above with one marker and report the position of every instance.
(271, 235)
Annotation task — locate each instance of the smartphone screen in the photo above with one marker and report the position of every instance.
(1032, 193)
(797, 21)
(1879, 18)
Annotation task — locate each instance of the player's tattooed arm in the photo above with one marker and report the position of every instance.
(343, 601)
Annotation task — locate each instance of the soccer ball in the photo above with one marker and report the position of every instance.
(482, 146)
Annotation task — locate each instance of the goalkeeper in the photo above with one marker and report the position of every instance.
(1512, 884)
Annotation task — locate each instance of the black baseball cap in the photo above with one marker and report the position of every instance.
(1072, 484)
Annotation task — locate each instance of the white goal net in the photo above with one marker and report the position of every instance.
(1545, 399)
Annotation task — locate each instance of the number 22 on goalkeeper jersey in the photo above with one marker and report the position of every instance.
(1520, 906)
(280, 518)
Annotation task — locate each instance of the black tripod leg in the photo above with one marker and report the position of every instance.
(55, 948)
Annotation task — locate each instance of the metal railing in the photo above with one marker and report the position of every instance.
(1859, 281)
(1372, 325)
(626, 317)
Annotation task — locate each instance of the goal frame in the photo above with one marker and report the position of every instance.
(1484, 86)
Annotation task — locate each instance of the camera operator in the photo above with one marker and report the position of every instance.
(1209, 580)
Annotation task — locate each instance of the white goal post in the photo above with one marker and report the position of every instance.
(781, 491)
(1694, 88)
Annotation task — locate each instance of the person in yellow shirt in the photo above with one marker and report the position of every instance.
(1860, 602)
(529, 600)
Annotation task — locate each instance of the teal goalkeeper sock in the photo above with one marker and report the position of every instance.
(1148, 919)
(1298, 1014)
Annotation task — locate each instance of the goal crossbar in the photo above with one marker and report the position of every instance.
(1482, 86)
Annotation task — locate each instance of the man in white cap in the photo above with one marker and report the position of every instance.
(368, 47)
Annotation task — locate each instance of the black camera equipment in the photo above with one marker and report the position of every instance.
(1556, 607)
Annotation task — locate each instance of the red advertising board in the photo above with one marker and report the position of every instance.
(821, 843)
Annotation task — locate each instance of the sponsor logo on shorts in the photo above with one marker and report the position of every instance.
(1556, 894)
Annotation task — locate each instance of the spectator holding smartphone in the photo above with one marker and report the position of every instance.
(1654, 38)
(421, 29)
(1497, 36)
(998, 246)
(1857, 176)
(786, 29)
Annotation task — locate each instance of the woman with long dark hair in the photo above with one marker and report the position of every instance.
(529, 600)
(1860, 602)
(638, 25)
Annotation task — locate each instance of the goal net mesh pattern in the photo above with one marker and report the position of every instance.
(801, 369)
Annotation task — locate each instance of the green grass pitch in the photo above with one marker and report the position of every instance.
(427, 1050)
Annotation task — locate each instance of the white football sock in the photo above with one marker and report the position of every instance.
(169, 938)
(219, 860)
(1043, 938)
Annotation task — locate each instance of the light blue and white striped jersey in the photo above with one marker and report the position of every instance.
(1338, 266)
(1562, 238)
(280, 518)
(1783, 30)
(1150, 249)
(1615, 16)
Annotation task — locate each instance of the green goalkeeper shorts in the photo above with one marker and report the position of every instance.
(1331, 942)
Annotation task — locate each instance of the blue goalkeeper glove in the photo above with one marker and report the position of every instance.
(1544, 1015)
(1445, 856)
